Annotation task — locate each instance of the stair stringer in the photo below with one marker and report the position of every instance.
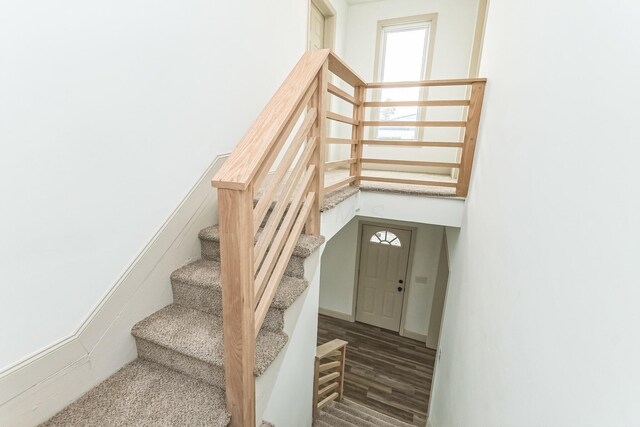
(284, 391)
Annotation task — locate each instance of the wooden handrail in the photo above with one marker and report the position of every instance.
(272, 187)
(425, 83)
(246, 159)
(438, 103)
(332, 371)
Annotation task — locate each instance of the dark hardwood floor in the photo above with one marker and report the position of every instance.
(384, 371)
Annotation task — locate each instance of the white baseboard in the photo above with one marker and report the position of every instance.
(37, 388)
(414, 335)
(336, 314)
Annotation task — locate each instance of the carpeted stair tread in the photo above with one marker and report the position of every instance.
(145, 393)
(409, 189)
(199, 335)
(353, 407)
(205, 273)
(333, 199)
(305, 246)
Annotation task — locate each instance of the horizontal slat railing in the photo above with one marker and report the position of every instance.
(272, 186)
(328, 380)
(411, 163)
(464, 149)
(454, 103)
(270, 190)
(426, 83)
(417, 123)
(283, 260)
(249, 155)
(392, 143)
(408, 181)
(335, 90)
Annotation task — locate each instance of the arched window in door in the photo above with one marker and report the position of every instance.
(385, 237)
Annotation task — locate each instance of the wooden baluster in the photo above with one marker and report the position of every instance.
(319, 102)
(316, 376)
(237, 278)
(357, 134)
(470, 137)
(343, 360)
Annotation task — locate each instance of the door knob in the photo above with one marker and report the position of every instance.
(400, 281)
(399, 288)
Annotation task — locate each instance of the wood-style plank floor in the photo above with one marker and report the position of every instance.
(384, 371)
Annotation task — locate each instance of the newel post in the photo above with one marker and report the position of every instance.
(470, 137)
(237, 278)
(357, 134)
(319, 156)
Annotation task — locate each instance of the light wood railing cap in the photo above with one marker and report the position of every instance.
(248, 156)
(329, 347)
(245, 160)
(338, 67)
(426, 83)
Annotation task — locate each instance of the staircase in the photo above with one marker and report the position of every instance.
(178, 378)
(197, 363)
(350, 414)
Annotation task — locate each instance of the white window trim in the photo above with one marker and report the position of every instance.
(431, 19)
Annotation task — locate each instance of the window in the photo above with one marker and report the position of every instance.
(403, 53)
(385, 238)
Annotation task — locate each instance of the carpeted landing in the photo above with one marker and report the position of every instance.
(178, 378)
(350, 414)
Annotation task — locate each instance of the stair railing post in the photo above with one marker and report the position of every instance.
(237, 278)
(357, 134)
(343, 362)
(319, 157)
(470, 137)
(316, 377)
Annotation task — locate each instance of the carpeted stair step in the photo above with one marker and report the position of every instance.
(363, 411)
(210, 244)
(146, 394)
(331, 200)
(197, 286)
(190, 341)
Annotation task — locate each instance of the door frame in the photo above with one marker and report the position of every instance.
(407, 282)
(326, 8)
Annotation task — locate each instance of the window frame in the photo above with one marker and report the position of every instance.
(408, 21)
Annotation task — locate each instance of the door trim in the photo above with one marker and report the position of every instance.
(326, 8)
(407, 282)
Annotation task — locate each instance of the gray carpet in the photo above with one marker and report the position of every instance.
(178, 378)
(350, 414)
(146, 394)
(389, 187)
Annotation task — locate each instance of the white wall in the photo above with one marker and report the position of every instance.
(541, 322)
(109, 113)
(439, 294)
(451, 56)
(338, 270)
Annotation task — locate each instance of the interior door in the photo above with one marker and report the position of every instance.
(384, 258)
(316, 29)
